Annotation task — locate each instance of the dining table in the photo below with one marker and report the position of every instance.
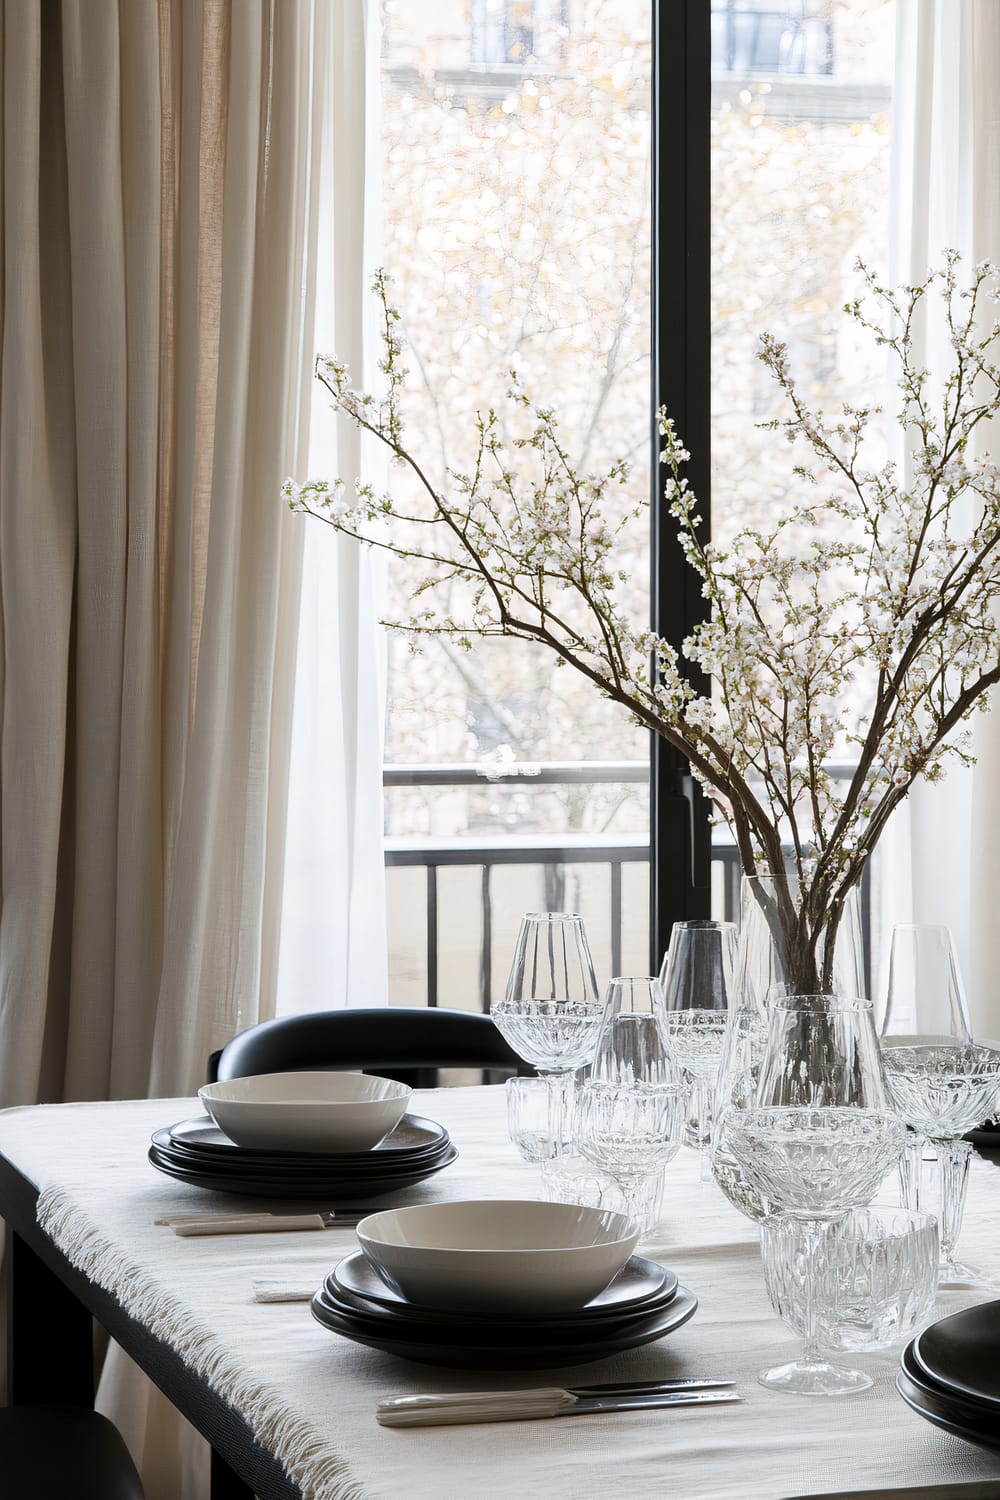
(289, 1406)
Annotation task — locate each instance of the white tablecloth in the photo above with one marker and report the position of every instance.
(310, 1395)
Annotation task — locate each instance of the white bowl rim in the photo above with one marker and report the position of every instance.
(210, 1093)
(628, 1228)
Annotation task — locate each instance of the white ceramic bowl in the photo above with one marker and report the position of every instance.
(333, 1112)
(489, 1256)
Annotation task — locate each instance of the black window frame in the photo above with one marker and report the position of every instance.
(680, 834)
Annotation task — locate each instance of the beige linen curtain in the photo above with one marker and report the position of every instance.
(154, 389)
(160, 175)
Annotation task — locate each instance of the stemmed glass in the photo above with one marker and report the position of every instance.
(942, 1082)
(697, 981)
(551, 1009)
(818, 1141)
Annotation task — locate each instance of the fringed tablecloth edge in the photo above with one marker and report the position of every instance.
(319, 1472)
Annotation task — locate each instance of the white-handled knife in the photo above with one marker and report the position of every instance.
(260, 1223)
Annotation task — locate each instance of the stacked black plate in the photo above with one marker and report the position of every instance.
(643, 1303)
(198, 1152)
(950, 1374)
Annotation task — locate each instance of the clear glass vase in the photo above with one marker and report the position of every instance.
(785, 945)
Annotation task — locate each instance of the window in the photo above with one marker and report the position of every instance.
(517, 167)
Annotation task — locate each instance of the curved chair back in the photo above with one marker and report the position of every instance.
(405, 1043)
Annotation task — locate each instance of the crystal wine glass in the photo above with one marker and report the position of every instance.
(736, 1088)
(551, 1009)
(697, 981)
(631, 1042)
(818, 1142)
(942, 1082)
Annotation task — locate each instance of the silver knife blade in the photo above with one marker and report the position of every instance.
(967, 1489)
(642, 1387)
(587, 1404)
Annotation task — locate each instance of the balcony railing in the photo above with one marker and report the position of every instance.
(549, 859)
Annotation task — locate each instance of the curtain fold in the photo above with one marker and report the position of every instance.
(940, 862)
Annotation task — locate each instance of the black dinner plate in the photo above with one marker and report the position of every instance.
(550, 1352)
(972, 1414)
(323, 1185)
(641, 1286)
(326, 1166)
(455, 1331)
(414, 1136)
(942, 1414)
(960, 1355)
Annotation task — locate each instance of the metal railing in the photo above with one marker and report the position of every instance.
(551, 852)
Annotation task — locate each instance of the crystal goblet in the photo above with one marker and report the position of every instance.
(551, 1009)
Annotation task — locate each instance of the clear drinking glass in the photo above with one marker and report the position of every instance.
(574, 1179)
(529, 1120)
(941, 1081)
(697, 981)
(551, 1009)
(817, 1142)
(875, 1276)
(630, 1130)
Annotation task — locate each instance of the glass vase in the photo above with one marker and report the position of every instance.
(785, 942)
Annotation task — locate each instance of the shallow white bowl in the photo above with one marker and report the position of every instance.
(306, 1111)
(499, 1256)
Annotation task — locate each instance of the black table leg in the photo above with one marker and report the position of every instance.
(50, 1334)
(226, 1484)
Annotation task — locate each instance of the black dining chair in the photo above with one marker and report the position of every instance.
(407, 1043)
(63, 1453)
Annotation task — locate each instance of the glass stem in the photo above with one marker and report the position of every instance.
(953, 1179)
(812, 1230)
(910, 1167)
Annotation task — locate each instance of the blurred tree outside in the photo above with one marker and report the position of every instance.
(516, 178)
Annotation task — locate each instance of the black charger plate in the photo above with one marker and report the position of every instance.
(324, 1184)
(414, 1136)
(641, 1286)
(296, 1169)
(546, 1352)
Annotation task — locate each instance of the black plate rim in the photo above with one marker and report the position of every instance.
(967, 1411)
(394, 1305)
(550, 1355)
(438, 1132)
(242, 1174)
(325, 1189)
(910, 1393)
(951, 1383)
(486, 1330)
(302, 1171)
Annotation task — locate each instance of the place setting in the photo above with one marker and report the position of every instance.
(303, 1135)
(485, 1284)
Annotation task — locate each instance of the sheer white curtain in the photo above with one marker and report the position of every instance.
(940, 862)
(332, 949)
